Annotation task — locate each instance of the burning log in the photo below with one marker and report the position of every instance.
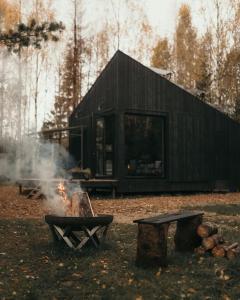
(207, 229)
(81, 205)
(78, 205)
(66, 202)
(210, 242)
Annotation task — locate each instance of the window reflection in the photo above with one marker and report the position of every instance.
(100, 145)
(104, 146)
(144, 145)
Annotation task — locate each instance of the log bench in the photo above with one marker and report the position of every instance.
(153, 236)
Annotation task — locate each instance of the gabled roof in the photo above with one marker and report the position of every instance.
(196, 93)
(164, 74)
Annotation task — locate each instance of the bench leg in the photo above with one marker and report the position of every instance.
(20, 189)
(152, 245)
(186, 238)
(113, 192)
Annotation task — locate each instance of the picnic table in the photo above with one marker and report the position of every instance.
(153, 236)
(33, 185)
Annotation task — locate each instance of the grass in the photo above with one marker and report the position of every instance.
(221, 209)
(32, 267)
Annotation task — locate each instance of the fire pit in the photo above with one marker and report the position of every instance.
(79, 231)
(78, 226)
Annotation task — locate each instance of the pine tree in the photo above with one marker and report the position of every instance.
(203, 65)
(33, 35)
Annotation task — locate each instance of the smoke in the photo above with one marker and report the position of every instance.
(47, 163)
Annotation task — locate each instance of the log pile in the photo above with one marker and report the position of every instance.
(213, 243)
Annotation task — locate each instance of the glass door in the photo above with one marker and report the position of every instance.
(104, 146)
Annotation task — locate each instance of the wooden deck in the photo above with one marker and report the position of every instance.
(92, 184)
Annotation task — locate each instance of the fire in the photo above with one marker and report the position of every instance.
(66, 202)
(75, 203)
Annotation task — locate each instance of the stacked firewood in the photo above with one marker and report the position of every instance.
(213, 243)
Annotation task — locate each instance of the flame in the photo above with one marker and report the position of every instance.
(66, 202)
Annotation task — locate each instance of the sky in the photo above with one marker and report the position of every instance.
(161, 13)
(162, 16)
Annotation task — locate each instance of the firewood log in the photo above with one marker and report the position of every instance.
(200, 250)
(218, 251)
(210, 242)
(233, 253)
(206, 229)
(232, 246)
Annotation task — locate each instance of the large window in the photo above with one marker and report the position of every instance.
(144, 145)
(104, 146)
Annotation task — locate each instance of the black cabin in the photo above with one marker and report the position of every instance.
(151, 135)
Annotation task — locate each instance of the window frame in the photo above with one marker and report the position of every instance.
(103, 117)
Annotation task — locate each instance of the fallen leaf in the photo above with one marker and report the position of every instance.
(130, 280)
(192, 291)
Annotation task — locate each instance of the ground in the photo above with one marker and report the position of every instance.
(32, 267)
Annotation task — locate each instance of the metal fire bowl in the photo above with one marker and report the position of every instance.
(77, 222)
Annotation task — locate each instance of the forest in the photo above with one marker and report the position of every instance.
(156, 192)
(47, 65)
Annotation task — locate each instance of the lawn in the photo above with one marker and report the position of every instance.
(32, 267)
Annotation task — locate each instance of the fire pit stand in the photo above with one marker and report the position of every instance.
(77, 232)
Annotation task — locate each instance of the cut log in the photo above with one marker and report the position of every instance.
(232, 246)
(200, 250)
(206, 229)
(210, 242)
(218, 251)
(81, 205)
(233, 253)
(152, 245)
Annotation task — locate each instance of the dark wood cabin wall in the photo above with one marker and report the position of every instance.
(203, 144)
(101, 97)
(199, 146)
(103, 94)
(233, 151)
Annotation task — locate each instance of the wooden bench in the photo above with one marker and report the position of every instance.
(153, 236)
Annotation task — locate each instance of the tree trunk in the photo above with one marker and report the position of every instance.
(186, 238)
(2, 95)
(152, 245)
(19, 103)
(36, 92)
